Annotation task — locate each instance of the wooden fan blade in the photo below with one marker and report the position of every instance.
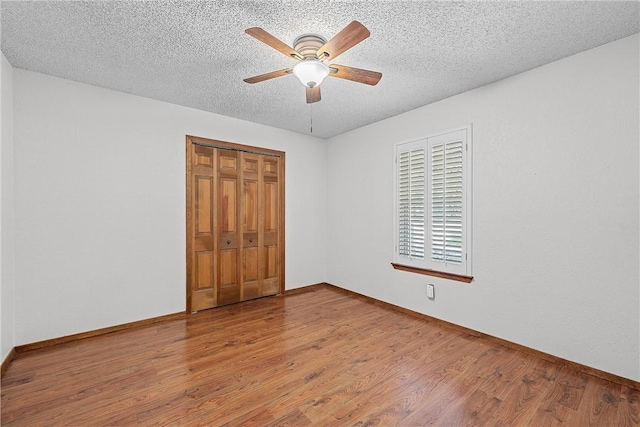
(313, 94)
(272, 41)
(268, 76)
(355, 74)
(350, 36)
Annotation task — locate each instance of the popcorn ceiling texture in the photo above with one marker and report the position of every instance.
(196, 53)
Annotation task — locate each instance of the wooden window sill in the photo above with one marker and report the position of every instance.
(435, 273)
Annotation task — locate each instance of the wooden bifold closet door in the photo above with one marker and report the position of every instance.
(235, 223)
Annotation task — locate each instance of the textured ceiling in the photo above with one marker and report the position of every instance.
(196, 53)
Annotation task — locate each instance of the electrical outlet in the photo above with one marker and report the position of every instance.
(431, 292)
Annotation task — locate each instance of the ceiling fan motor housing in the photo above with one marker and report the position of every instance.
(308, 44)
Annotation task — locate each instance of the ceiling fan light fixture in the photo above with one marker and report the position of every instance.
(311, 72)
(312, 50)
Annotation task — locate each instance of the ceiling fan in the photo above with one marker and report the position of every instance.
(312, 52)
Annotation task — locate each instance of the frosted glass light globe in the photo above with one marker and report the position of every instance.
(311, 72)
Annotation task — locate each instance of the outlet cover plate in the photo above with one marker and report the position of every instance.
(431, 293)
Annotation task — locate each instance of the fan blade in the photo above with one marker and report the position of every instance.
(355, 74)
(313, 94)
(350, 36)
(272, 41)
(268, 76)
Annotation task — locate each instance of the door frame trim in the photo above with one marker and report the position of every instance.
(196, 140)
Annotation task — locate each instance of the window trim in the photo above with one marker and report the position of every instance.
(459, 272)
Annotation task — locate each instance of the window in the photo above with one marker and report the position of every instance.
(433, 205)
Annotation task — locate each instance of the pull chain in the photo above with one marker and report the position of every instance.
(311, 106)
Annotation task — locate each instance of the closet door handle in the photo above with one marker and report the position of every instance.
(228, 242)
(250, 239)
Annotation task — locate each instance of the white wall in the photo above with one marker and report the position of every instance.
(555, 209)
(100, 204)
(7, 337)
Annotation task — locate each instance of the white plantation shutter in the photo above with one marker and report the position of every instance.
(433, 197)
(446, 202)
(411, 198)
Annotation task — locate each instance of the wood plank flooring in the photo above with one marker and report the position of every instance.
(322, 357)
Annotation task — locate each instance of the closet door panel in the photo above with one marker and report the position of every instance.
(203, 263)
(251, 283)
(227, 208)
(270, 265)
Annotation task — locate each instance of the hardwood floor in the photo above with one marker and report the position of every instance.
(322, 357)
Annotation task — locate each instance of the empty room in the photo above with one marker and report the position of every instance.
(329, 213)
